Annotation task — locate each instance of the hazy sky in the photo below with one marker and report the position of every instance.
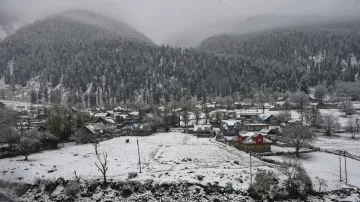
(159, 18)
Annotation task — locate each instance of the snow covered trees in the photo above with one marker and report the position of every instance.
(298, 135)
(352, 126)
(28, 145)
(320, 92)
(330, 124)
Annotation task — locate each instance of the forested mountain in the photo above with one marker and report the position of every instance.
(325, 52)
(91, 65)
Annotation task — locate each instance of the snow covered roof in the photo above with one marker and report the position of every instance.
(96, 127)
(109, 120)
(134, 113)
(101, 114)
(230, 122)
(202, 128)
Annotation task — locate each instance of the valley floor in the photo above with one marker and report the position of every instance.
(165, 157)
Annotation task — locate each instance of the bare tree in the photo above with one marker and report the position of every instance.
(347, 107)
(207, 115)
(154, 121)
(185, 116)
(218, 116)
(352, 127)
(103, 165)
(96, 144)
(197, 114)
(229, 101)
(283, 116)
(298, 135)
(28, 145)
(313, 116)
(331, 123)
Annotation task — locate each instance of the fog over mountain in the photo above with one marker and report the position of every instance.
(193, 20)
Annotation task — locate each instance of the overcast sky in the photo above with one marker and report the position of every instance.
(159, 18)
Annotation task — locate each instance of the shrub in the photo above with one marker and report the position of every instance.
(127, 191)
(21, 188)
(148, 183)
(49, 185)
(263, 181)
(200, 177)
(72, 188)
(132, 175)
(228, 187)
(92, 185)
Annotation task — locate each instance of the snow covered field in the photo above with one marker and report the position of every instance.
(339, 142)
(326, 166)
(164, 156)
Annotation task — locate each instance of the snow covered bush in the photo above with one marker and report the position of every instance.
(72, 188)
(132, 175)
(264, 180)
(200, 177)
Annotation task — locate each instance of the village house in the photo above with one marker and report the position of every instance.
(97, 129)
(230, 127)
(108, 122)
(268, 119)
(254, 127)
(101, 115)
(202, 130)
(271, 134)
(321, 105)
(253, 142)
(248, 114)
(141, 129)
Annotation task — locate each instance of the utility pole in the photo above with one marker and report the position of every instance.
(250, 171)
(340, 164)
(345, 168)
(137, 140)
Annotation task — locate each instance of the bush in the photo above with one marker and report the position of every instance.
(92, 185)
(127, 191)
(263, 181)
(72, 188)
(200, 177)
(21, 188)
(148, 183)
(49, 185)
(132, 175)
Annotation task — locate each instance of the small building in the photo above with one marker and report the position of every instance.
(2, 105)
(230, 127)
(141, 129)
(255, 127)
(321, 105)
(108, 122)
(271, 134)
(253, 142)
(101, 115)
(203, 130)
(95, 128)
(248, 114)
(269, 119)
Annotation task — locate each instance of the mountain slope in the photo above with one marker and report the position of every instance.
(117, 27)
(331, 48)
(91, 65)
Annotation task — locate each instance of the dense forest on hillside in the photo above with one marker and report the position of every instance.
(95, 65)
(327, 52)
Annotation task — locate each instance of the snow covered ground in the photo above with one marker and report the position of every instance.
(165, 157)
(326, 166)
(339, 142)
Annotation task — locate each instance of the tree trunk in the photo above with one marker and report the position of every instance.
(105, 178)
(297, 151)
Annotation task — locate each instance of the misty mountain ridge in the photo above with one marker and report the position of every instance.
(192, 37)
(9, 23)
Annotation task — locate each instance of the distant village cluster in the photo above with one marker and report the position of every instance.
(245, 125)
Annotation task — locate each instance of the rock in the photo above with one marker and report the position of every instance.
(5, 171)
(51, 171)
(20, 178)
